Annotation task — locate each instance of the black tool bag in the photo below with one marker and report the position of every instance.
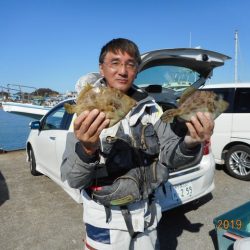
(134, 171)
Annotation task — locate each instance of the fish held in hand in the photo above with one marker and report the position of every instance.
(111, 101)
(193, 101)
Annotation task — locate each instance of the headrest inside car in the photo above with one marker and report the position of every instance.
(154, 88)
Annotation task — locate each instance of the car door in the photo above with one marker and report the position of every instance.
(51, 141)
(241, 117)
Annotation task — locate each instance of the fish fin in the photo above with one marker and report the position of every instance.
(186, 94)
(69, 108)
(223, 105)
(168, 115)
(85, 89)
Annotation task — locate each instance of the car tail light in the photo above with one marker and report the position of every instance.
(206, 147)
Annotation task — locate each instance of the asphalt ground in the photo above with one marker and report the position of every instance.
(35, 213)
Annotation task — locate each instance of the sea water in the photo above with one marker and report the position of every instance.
(14, 131)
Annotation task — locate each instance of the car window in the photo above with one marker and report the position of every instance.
(242, 103)
(169, 77)
(57, 119)
(227, 94)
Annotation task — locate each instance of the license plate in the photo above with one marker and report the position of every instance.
(182, 191)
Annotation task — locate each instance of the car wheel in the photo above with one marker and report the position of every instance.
(33, 170)
(238, 162)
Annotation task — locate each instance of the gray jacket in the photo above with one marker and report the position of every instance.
(79, 169)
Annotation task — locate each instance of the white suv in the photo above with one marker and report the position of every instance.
(231, 139)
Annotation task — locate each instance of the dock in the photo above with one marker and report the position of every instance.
(35, 213)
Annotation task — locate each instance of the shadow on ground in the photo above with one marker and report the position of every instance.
(220, 167)
(4, 191)
(174, 222)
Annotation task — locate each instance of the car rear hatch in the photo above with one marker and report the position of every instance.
(166, 73)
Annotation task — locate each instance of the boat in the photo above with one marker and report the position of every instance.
(18, 100)
(26, 109)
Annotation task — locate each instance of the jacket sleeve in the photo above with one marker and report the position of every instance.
(173, 152)
(77, 168)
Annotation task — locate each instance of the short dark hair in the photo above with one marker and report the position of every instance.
(123, 45)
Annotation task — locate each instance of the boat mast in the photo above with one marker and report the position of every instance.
(236, 57)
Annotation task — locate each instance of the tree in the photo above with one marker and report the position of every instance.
(44, 92)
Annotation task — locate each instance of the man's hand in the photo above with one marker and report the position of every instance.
(87, 128)
(200, 129)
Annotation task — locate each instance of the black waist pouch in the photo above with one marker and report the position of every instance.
(133, 168)
(123, 191)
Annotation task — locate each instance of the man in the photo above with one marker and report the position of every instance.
(141, 151)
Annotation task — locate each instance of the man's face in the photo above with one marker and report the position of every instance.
(119, 70)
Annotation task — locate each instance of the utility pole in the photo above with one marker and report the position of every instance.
(236, 57)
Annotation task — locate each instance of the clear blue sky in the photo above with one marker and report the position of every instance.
(51, 43)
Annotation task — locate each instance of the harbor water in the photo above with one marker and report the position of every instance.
(14, 131)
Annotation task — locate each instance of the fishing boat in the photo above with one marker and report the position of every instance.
(17, 99)
(26, 109)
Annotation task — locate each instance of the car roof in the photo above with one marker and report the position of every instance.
(200, 60)
(227, 85)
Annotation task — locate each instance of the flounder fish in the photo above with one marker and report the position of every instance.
(111, 101)
(193, 101)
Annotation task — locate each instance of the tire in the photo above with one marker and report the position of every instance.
(33, 170)
(238, 162)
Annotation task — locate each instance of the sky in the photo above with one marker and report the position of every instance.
(51, 43)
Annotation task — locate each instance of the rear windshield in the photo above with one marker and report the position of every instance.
(168, 77)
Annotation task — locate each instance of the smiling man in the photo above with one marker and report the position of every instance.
(118, 169)
(119, 65)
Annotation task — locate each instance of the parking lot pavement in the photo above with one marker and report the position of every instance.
(37, 214)
(190, 227)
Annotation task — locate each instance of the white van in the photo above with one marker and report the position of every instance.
(231, 139)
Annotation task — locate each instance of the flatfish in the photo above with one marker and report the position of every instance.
(193, 101)
(111, 101)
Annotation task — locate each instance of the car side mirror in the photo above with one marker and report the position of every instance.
(35, 125)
